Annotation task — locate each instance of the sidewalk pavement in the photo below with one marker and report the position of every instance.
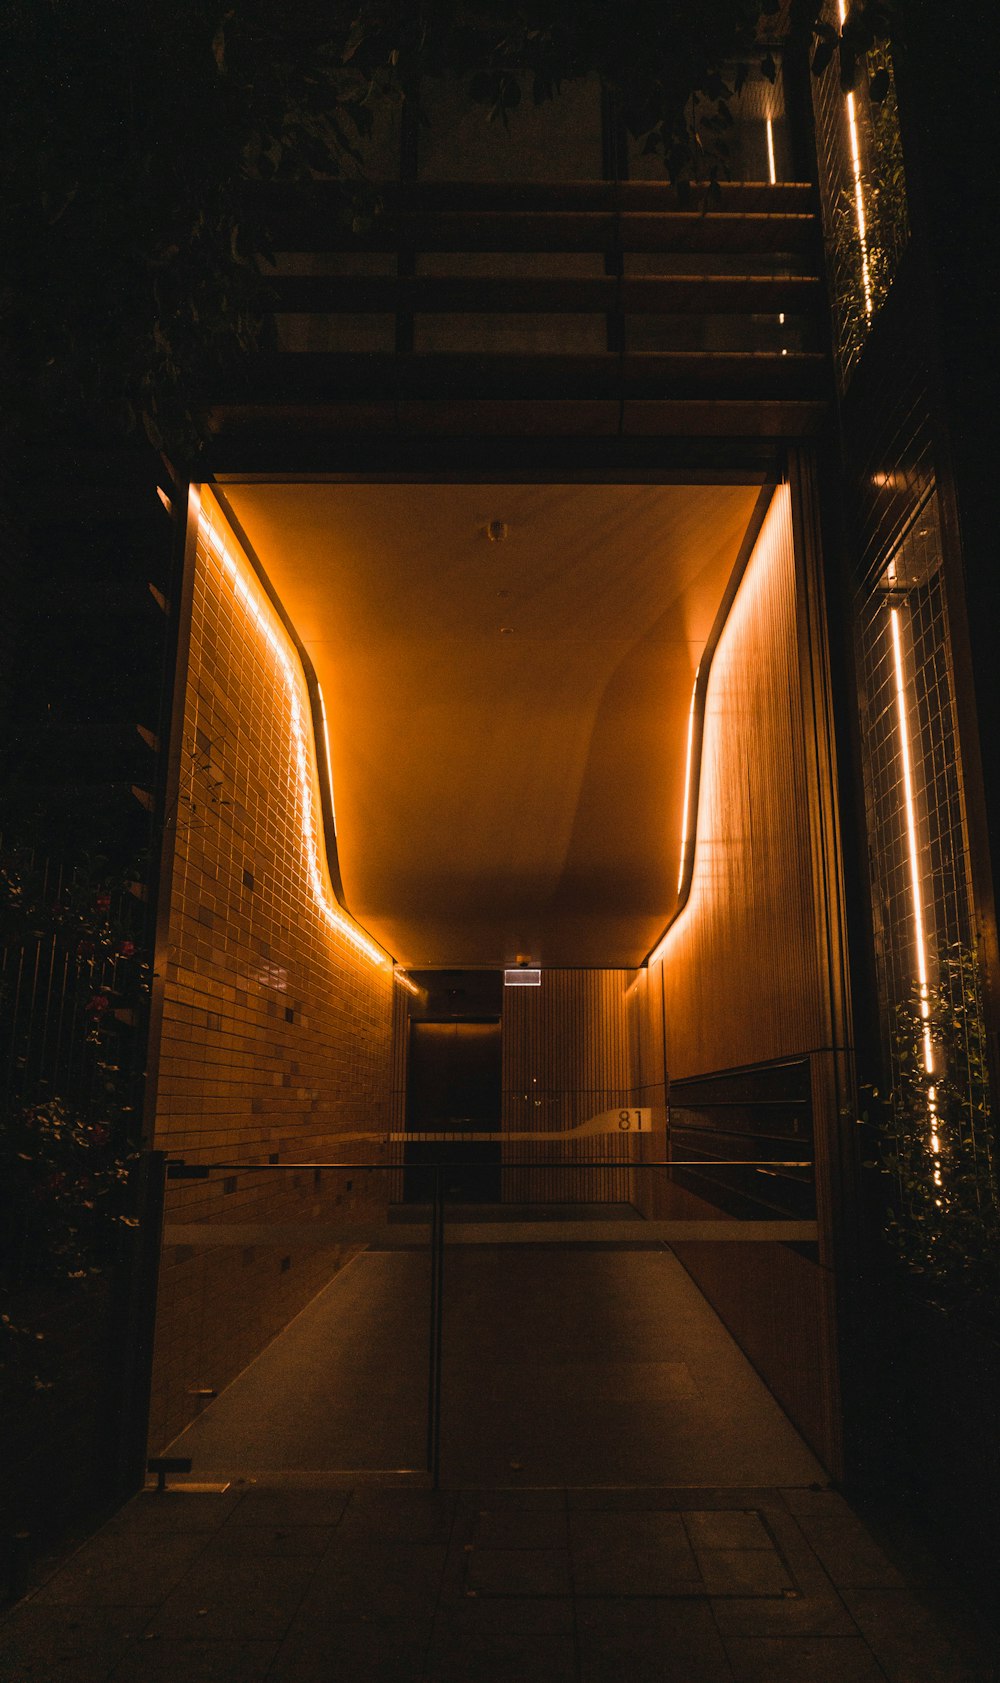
(298, 1580)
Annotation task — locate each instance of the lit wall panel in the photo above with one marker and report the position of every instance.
(276, 1009)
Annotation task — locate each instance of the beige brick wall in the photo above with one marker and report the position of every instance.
(276, 1013)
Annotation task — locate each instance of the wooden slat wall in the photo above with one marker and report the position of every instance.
(566, 1057)
(741, 967)
(748, 969)
(397, 1086)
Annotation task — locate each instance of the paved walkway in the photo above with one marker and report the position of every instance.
(563, 1365)
(705, 1548)
(308, 1583)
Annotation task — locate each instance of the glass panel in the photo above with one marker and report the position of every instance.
(244, 1381)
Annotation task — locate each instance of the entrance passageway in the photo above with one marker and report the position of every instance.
(562, 1365)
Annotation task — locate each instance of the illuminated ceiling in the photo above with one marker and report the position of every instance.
(507, 718)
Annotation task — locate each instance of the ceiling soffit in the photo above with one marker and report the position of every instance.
(507, 712)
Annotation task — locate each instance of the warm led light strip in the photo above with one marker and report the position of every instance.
(772, 175)
(258, 612)
(859, 198)
(915, 891)
(407, 983)
(686, 816)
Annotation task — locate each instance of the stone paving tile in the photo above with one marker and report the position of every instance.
(519, 1528)
(918, 1644)
(816, 1610)
(743, 1572)
(650, 1641)
(355, 1651)
(43, 1643)
(671, 1498)
(485, 1616)
(163, 1660)
(722, 1529)
(397, 1581)
(154, 1512)
(503, 1659)
(491, 1500)
(242, 1542)
(224, 1599)
(632, 1554)
(802, 1659)
(399, 1516)
(283, 1506)
(114, 1569)
(811, 1499)
(848, 1552)
(518, 1572)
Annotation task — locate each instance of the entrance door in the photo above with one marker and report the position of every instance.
(453, 1087)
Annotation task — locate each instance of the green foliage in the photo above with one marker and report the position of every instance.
(69, 1066)
(883, 186)
(938, 1145)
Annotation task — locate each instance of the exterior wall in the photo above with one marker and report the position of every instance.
(741, 969)
(746, 969)
(565, 1059)
(274, 1012)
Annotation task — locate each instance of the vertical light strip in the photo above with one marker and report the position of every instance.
(259, 614)
(915, 892)
(326, 752)
(859, 198)
(685, 818)
(772, 175)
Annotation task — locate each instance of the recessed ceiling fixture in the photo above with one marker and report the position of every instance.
(498, 531)
(506, 630)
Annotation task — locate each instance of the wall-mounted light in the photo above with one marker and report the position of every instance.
(408, 983)
(522, 978)
(265, 624)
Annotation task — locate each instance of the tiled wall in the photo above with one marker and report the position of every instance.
(276, 1013)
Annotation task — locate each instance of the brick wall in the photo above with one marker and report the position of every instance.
(275, 1010)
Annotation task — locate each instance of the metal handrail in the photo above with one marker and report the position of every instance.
(178, 1168)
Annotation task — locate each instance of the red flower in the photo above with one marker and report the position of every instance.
(103, 902)
(97, 1004)
(126, 949)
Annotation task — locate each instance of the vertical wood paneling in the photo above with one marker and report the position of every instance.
(741, 970)
(565, 1058)
(397, 1086)
(753, 968)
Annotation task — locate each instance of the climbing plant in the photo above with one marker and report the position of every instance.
(938, 1144)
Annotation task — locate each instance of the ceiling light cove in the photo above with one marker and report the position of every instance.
(495, 780)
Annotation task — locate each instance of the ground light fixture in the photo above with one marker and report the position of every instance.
(259, 616)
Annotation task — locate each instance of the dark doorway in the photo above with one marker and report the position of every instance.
(453, 1087)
